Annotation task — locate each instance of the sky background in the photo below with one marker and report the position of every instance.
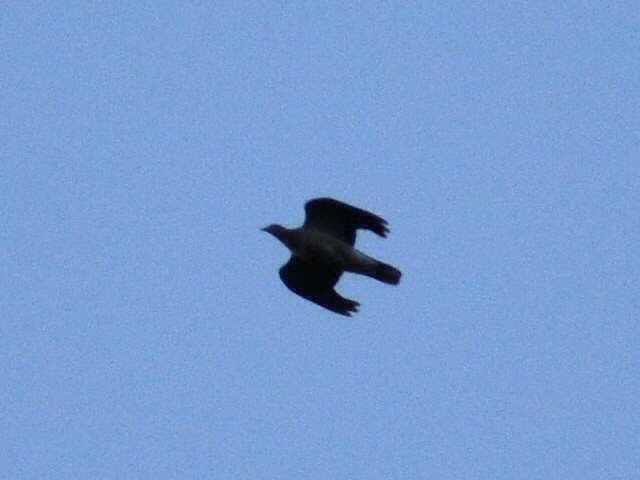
(144, 331)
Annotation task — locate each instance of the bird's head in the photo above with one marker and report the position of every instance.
(276, 230)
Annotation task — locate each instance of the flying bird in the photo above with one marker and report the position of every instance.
(322, 249)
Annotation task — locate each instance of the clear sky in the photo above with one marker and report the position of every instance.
(144, 332)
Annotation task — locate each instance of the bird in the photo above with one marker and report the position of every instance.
(322, 249)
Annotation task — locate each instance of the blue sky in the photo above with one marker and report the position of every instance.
(144, 331)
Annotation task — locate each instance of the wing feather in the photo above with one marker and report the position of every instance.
(316, 284)
(341, 219)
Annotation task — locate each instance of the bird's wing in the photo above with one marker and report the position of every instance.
(342, 220)
(316, 284)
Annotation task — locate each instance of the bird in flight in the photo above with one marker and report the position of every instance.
(323, 248)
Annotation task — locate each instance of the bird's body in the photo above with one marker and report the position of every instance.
(323, 248)
(316, 246)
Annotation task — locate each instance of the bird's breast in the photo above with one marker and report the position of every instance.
(318, 252)
(319, 248)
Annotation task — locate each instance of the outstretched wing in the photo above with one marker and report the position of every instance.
(315, 283)
(341, 219)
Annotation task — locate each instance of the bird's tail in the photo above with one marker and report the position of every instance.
(386, 273)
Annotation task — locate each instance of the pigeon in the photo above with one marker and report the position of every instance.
(322, 249)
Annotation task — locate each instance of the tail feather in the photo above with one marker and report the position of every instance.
(387, 274)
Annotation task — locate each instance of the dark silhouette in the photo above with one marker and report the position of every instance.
(323, 248)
